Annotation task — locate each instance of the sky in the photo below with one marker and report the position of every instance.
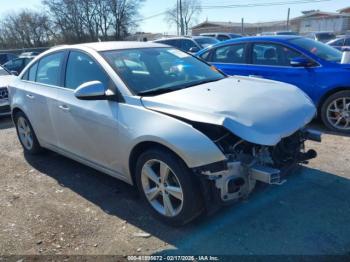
(250, 14)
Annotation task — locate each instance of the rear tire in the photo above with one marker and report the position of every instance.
(168, 187)
(26, 134)
(335, 113)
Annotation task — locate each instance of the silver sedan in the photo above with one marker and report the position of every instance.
(189, 137)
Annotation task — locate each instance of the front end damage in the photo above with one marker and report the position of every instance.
(248, 163)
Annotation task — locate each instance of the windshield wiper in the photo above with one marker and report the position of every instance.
(156, 91)
(201, 82)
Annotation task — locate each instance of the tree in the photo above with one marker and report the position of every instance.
(25, 29)
(190, 11)
(92, 20)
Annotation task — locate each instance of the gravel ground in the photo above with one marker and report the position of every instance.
(52, 205)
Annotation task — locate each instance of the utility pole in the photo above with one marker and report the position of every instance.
(177, 16)
(181, 19)
(242, 26)
(288, 15)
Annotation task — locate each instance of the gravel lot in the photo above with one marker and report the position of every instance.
(52, 205)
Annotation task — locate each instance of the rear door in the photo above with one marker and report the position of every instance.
(87, 130)
(41, 83)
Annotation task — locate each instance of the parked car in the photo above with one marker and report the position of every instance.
(312, 66)
(29, 54)
(4, 57)
(189, 44)
(278, 33)
(323, 37)
(188, 136)
(15, 66)
(341, 43)
(5, 79)
(222, 36)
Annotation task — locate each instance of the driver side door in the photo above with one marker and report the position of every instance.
(272, 61)
(87, 130)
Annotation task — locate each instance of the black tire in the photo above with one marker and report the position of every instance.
(324, 109)
(192, 204)
(35, 148)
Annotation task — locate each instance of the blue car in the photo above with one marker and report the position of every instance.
(312, 66)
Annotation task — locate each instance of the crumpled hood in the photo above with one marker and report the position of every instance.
(257, 110)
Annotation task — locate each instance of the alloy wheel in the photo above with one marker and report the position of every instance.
(162, 188)
(338, 113)
(25, 133)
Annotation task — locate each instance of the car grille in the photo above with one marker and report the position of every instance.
(4, 93)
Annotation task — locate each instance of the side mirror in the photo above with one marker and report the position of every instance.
(300, 62)
(93, 90)
(15, 73)
(194, 49)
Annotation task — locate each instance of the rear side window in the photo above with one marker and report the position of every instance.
(81, 68)
(49, 69)
(32, 72)
(347, 41)
(234, 54)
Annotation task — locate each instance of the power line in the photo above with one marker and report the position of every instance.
(263, 4)
(248, 5)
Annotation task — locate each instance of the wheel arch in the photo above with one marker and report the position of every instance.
(328, 94)
(141, 147)
(16, 110)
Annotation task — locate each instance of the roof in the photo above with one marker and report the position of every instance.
(275, 38)
(236, 24)
(181, 37)
(345, 9)
(318, 13)
(116, 45)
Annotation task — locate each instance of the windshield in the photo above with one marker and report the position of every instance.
(3, 72)
(151, 71)
(325, 37)
(319, 49)
(206, 41)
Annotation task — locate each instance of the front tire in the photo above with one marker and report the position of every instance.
(26, 134)
(168, 187)
(335, 112)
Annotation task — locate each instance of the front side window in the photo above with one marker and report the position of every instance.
(49, 69)
(233, 54)
(81, 68)
(151, 71)
(319, 49)
(273, 55)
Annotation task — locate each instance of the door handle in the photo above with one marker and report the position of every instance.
(30, 96)
(64, 107)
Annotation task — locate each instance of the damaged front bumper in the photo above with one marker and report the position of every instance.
(228, 181)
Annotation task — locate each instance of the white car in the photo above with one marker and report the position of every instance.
(5, 79)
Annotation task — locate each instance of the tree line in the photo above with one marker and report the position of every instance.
(69, 22)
